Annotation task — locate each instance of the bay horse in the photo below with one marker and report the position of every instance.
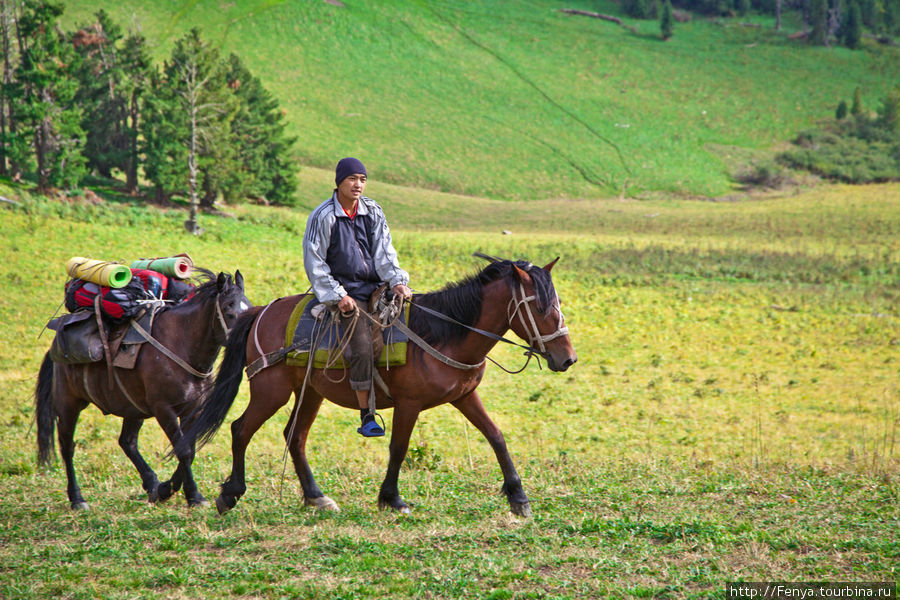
(185, 338)
(505, 295)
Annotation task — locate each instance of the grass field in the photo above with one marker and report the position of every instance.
(521, 101)
(733, 416)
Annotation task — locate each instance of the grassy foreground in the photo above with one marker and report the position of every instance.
(734, 414)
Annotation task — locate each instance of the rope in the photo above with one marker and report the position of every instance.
(168, 353)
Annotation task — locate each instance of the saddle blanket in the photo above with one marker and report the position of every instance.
(302, 327)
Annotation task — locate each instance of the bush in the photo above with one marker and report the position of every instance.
(769, 175)
(844, 158)
(858, 149)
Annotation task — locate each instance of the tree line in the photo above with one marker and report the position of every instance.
(200, 126)
(825, 22)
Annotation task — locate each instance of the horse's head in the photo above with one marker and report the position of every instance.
(230, 299)
(535, 315)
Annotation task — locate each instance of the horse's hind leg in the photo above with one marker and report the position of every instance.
(296, 434)
(474, 411)
(128, 440)
(67, 412)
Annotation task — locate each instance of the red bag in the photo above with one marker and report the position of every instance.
(118, 303)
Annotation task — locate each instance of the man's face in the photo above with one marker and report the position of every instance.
(352, 187)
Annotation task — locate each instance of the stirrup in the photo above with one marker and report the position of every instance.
(371, 428)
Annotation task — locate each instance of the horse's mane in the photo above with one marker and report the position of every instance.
(205, 290)
(207, 287)
(462, 300)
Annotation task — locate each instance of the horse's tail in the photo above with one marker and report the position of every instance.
(212, 412)
(44, 413)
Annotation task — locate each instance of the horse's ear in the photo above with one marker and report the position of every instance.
(221, 280)
(239, 279)
(520, 274)
(550, 264)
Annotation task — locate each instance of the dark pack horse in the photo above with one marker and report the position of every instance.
(168, 377)
(505, 295)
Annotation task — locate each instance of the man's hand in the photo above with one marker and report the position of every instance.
(346, 305)
(403, 291)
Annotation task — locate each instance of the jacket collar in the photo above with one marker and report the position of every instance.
(362, 208)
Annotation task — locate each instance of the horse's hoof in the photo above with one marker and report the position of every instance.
(222, 505)
(520, 509)
(396, 505)
(202, 502)
(322, 503)
(160, 493)
(80, 505)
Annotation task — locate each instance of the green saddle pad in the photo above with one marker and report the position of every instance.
(392, 355)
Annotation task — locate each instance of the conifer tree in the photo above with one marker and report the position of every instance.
(853, 26)
(263, 147)
(10, 57)
(856, 108)
(43, 94)
(819, 17)
(666, 21)
(112, 75)
(841, 113)
(187, 124)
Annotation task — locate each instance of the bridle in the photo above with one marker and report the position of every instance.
(536, 340)
(221, 316)
(518, 306)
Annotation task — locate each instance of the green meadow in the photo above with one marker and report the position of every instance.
(735, 411)
(518, 100)
(733, 415)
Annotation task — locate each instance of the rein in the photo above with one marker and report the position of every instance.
(171, 355)
(514, 308)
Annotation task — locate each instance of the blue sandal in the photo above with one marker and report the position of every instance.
(370, 427)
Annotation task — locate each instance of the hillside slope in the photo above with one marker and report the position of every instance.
(519, 100)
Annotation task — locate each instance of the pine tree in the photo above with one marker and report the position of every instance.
(112, 75)
(136, 62)
(856, 108)
(666, 21)
(7, 50)
(889, 112)
(43, 92)
(187, 124)
(819, 17)
(853, 26)
(841, 113)
(262, 144)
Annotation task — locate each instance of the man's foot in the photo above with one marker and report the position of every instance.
(370, 427)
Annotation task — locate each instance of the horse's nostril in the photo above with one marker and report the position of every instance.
(568, 363)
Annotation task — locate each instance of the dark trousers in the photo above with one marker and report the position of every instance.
(359, 353)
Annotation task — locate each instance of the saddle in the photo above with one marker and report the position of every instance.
(311, 320)
(79, 339)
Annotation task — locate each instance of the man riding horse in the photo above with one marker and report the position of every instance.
(347, 254)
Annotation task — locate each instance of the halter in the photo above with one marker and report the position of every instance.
(535, 339)
(221, 317)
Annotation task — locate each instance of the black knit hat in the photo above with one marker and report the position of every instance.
(347, 167)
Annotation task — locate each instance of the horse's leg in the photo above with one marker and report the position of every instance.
(474, 411)
(67, 411)
(128, 441)
(168, 420)
(401, 429)
(296, 434)
(269, 390)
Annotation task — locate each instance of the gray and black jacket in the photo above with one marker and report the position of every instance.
(349, 256)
